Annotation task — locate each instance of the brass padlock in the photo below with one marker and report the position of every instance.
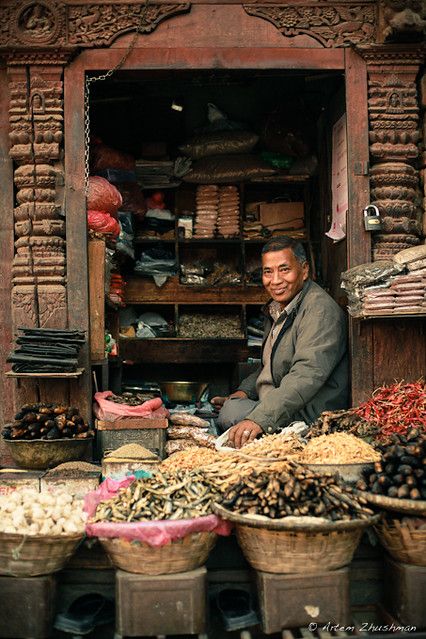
(372, 219)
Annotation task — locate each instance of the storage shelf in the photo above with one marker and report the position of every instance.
(280, 179)
(393, 316)
(176, 350)
(141, 290)
(75, 374)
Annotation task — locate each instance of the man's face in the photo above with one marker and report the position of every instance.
(283, 275)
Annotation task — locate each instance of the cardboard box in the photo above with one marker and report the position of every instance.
(288, 214)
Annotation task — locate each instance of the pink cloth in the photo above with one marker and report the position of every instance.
(110, 411)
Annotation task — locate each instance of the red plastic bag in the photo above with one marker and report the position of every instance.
(103, 196)
(155, 533)
(103, 222)
(110, 411)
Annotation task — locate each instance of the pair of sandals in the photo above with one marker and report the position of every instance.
(84, 614)
(236, 608)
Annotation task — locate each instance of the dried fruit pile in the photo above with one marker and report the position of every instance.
(295, 491)
(402, 471)
(47, 421)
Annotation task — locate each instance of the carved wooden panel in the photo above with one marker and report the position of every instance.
(331, 24)
(36, 136)
(394, 134)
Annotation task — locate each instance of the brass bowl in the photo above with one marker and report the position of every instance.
(40, 454)
(183, 391)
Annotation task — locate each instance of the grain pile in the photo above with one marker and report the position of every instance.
(130, 451)
(338, 448)
(80, 467)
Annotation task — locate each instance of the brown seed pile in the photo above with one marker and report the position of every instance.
(130, 451)
(79, 467)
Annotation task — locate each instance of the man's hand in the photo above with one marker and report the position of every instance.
(243, 433)
(218, 402)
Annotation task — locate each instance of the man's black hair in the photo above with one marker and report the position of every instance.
(283, 242)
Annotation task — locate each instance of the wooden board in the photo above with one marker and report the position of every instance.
(77, 373)
(96, 260)
(132, 423)
(180, 351)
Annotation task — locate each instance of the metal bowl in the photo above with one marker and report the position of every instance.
(40, 454)
(183, 391)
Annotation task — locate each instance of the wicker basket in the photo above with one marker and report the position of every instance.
(296, 544)
(34, 555)
(181, 555)
(402, 541)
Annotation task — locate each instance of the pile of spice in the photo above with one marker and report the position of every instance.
(402, 471)
(295, 491)
(338, 448)
(396, 408)
(129, 452)
(203, 325)
(73, 469)
(189, 459)
(179, 495)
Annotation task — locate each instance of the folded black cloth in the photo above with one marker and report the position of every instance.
(42, 368)
(42, 350)
(53, 332)
(33, 359)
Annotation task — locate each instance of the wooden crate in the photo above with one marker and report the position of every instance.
(290, 600)
(405, 588)
(152, 438)
(28, 604)
(161, 604)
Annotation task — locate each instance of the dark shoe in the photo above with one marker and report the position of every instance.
(236, 609)
(84, 614)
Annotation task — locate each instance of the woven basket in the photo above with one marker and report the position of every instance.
(296, 544)
(181, 555)
(403, 542)
(33, 555)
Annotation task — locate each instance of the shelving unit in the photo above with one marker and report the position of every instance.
(170, 298)
(72, 375)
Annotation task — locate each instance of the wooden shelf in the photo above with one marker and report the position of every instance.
(176, 350)
(280, 179)
(75, 374)
(393, 316)
(140, 290)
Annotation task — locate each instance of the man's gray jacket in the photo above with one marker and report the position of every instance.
(309, 364)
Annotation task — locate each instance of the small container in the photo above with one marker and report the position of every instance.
(185, 226)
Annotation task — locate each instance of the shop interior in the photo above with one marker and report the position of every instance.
(213, 292)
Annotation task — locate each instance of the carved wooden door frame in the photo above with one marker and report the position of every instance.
(345, 60)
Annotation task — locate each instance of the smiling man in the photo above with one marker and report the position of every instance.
(304, 367)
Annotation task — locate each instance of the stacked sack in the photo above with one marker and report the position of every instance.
(206, 212)
(188, 431)
(228, 220)
(103, 202)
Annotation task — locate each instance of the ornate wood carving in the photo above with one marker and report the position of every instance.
(48, 23)
(36, 136)
(99, 24)
(332, 25)
(394, 138)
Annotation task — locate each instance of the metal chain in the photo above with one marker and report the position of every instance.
(101, 77)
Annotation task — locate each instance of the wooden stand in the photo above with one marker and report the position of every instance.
(96, 264)
(294, 600)
(150, 433)
(160, 605)
(27, 607)
(405, 592)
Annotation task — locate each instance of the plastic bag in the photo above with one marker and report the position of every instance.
(110, 411)
(155, 533)
(371, 273)
(125, 239)
(219, 143)
(103, 196)
(102, 222)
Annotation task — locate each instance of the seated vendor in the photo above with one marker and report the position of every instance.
(304, 366)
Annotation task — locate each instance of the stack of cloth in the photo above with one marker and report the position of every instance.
(156, 173)
(206, 212)
(228, 219)
(46, 350)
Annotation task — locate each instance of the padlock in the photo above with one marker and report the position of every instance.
(372, 219)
